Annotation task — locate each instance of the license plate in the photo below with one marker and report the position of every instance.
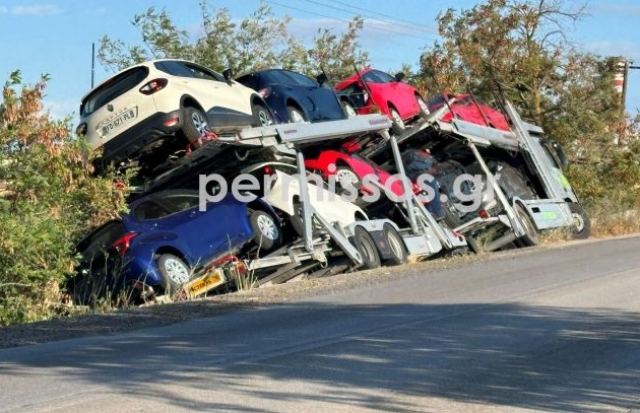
(204, 283)
(122, 118)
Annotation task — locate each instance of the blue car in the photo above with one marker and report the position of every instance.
(165, 242)
(294, 97)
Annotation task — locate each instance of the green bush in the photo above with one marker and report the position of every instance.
(48, 200)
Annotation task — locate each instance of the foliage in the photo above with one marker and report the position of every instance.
(259, 41)
(48, 199)
(518, 50)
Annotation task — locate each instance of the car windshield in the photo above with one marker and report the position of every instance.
(181, 202)
(289, 78)
(102, 238)
(113, 88)
(376, 76)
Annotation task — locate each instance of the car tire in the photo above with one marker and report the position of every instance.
(398, 124)
(582, 224)
(530, 238)
(261, 115)
(268, 235)
(424, 108)
(367, 248)
(295, 115)
(349, 110)
(345, 175)
(194, 124)
(396, 245)
(175, 272)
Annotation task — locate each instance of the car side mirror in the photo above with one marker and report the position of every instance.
(228, 75)
(400, 76)
(321, 79)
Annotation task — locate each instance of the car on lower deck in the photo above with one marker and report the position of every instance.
(470, 109)
(373, 90)
(144, 107)
(294, 97)
(166, 241)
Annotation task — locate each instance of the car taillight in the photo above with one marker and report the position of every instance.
(153, 86)
(121, 245)
(268, 170)
(265, 92)
(81, 130)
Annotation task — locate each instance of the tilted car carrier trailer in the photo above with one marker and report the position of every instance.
(424, 237)
(554, 208)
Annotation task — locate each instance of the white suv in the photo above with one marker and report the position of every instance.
(141, 108)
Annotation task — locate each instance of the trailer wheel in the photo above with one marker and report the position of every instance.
(530, 238)
(396, 245)
(581, 223)
(367, 248)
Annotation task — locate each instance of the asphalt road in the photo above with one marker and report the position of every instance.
(553, 330)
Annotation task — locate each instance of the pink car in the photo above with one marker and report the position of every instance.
(372, 90)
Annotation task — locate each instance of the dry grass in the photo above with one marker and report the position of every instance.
(605, 223)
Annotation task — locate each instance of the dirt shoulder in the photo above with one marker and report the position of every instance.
(165, 314)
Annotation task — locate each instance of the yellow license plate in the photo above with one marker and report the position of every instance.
(204, 283)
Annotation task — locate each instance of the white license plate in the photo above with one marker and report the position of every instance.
(119, 120)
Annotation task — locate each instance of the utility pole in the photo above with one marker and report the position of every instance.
(93, 63)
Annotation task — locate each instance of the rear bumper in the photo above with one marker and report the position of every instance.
(130, 142)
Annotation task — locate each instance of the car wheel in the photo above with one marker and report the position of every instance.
(424, 108)
(349, 110)
(266, 229)
(261, 115)
(530, 237)
(346, 178)
(175, 272)
(398, 123)
(396, 245)
(194, 124)
(295, 115)
(366, 246)
(581, 223)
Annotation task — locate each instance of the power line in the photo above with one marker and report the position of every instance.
(344, 20)
(418, 26)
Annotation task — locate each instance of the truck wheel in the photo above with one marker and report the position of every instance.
(194, 124)
(367, 248)
(266, 229)
(581, 223)
(530, 238)
(175, 272)
(396, 245)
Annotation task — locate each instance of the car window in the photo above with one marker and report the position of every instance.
(101, 238)
(249, 81)
(150, 210)
(113, 88)
(370, 77)
(384, 77)
(179, 203)
(182, 69)
(278, 76)
(200, 72)
(356, 94)
(302, 80)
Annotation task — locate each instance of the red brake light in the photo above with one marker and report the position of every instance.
(121, 245)
(483, 214)
(268, 170)
(153, 86)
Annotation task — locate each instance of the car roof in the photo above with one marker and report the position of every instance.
(148, 63)
(354, 77)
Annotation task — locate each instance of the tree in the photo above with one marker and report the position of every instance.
(518, 49)
(258, 41)
(48, 200)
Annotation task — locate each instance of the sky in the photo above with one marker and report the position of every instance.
(55, 36)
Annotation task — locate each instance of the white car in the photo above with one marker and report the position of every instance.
(285, 189)
(165, 101)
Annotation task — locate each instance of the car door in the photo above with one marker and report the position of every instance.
(398, 93)
(221, 229)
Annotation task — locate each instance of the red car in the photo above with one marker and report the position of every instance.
(476, 112)
(372, 90)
